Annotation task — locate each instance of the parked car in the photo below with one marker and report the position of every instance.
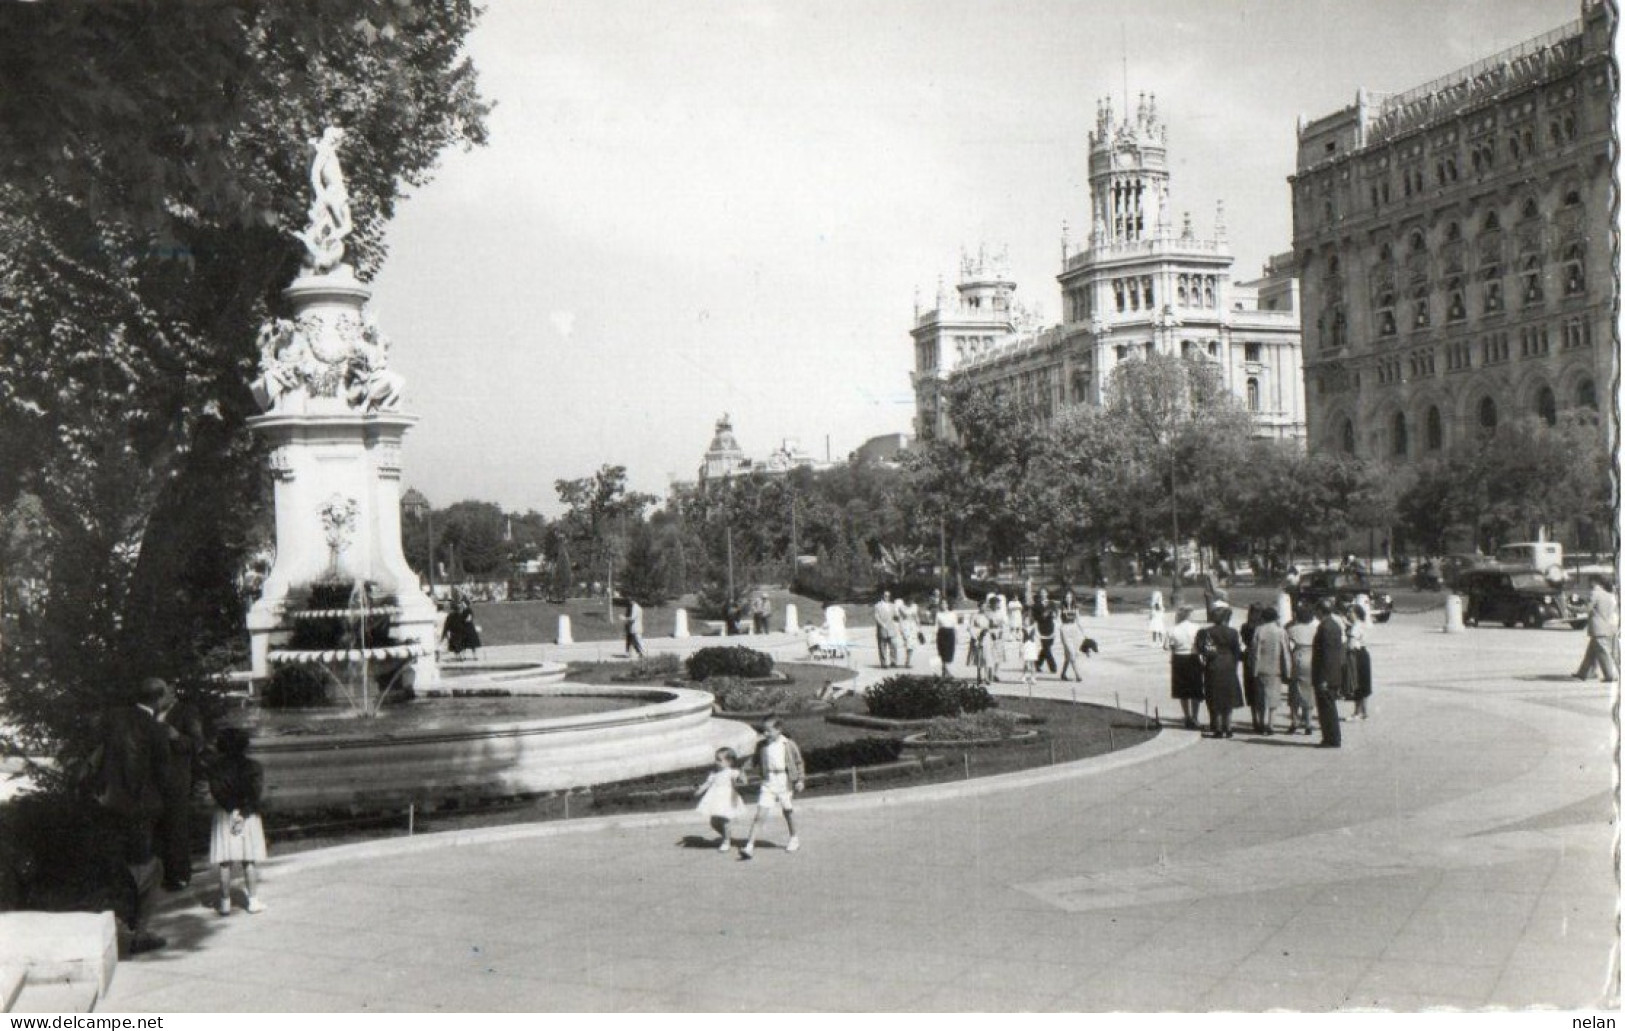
(1512, 596)
(1341, 587)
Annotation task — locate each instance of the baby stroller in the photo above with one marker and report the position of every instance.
(822, 645)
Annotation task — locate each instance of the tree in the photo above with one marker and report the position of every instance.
(646, 579)
(601, 510)
(1176, 410)
(153, 166)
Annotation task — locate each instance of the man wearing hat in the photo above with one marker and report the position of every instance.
(134, 769)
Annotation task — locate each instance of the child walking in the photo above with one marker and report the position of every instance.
(778, 761)
(237, 782)
(719, 795)
(1029, 651)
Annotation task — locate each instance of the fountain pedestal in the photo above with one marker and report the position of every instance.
(334, 429)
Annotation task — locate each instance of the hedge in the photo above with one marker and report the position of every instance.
(914, 697)
(735, 661)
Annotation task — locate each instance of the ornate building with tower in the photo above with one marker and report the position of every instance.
(1455, 248)
(1142, 285)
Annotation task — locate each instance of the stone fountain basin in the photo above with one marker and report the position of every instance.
(661, 729)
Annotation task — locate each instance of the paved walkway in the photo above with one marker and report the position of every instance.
(1457, 852)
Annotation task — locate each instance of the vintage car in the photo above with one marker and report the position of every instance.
(1513, 596)
(1341, 586)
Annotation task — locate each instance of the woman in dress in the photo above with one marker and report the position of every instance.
(1157, 620)
(947, 625)
(1069, 631)
(1270, 656)
(1301, 692)
(1357, 662)
(1185, 667)
(981, 630)
(1219, 645)
(908, 619)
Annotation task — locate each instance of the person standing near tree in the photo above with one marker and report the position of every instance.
(761, 613)
(1185, 666)
(187, 744)
(134, 766)
(1219, 645)
(908, 628)
(947, 624)
(1070, 633)
(1043, 615)
(886, 630)
(1326, 670)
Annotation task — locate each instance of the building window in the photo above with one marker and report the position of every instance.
(1122, 352)
(1385, 315)
(1253, 352)
(1487, 416)
(1435, 429)
(1457, 305)
(1529, 276)
(1585, 394)
(1348, 436)
(1574, 270)
(1546, 406)
(1419, 311)
(1252, 394)
(1213, 348)
(1492, 297)
(1401, 439)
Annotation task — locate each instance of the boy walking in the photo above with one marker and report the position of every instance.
(778, 760)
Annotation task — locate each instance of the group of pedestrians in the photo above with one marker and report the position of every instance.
(1317, 660)
(143, 774)
(897, 631)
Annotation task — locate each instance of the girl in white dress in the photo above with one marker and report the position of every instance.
(1157, 620)
(719, 795)
(237, 782)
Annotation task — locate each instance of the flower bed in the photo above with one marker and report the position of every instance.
(982, 728)
(753, 699)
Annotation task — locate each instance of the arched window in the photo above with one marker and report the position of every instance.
(1531, 210)
(1487, 415)
(1546, 406)
(1435, 429)
(1452, 231)
(1401, 438)
(1252, 393)
(1332, 266)
(1418, 243)
(1571, 199)
(1348, 436)
(1585, 394)
(1386, 253)
(1574, 269)
(1492, 222)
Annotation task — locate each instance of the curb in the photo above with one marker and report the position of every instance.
(1162, 745)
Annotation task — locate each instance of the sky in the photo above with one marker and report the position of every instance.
(730, 206)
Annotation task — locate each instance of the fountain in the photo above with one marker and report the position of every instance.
(341, 601)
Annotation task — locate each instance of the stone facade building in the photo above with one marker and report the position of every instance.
(1142, 285)
(1454, 243)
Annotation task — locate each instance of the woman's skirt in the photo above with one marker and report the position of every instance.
(1267, 687)
(1187, 676)
(945, 646)
(1356, 675)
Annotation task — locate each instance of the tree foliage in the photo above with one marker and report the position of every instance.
(153, 166)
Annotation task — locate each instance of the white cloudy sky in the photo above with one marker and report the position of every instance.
(697, 207)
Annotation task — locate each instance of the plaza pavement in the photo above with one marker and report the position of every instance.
(1458, 852)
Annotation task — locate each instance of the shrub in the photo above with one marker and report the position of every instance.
(973, 726)
(863, 751)
(62, 853)
(735, 695)
(296, 687)
(655, 667)
(729, 662)
(914, 697)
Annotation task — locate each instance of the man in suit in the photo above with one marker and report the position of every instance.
(134, 770)
(1602, 635)
(1327, 673)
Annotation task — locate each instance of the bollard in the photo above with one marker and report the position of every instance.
(411, 819)
(966, 757)
(679, 626)
(1283, 608)
(854, 780)
(566, 803)
(1052, 751)
(1147, 714)
(1102, 610)
(565, 637)
(1111, 739)
(1452, 615)
(791, 619)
